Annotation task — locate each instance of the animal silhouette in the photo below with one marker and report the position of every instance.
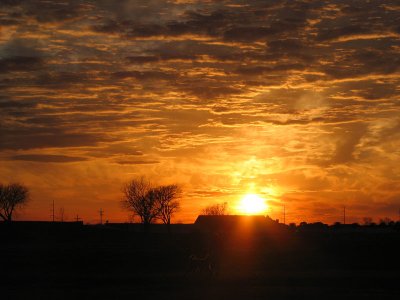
(201, 264)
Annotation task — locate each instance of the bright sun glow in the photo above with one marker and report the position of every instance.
(252, 204)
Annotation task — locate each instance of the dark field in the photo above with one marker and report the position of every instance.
(100, 262)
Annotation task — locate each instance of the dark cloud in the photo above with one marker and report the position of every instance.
(48, 158)
(210, 90)
(11, 2)
(249, 34)
(363, 62)
(50, 11)
(149, 75)
(193, 23)
(61, 80)
(33, 138)
(142, 59)
(115, 149)
(369, 90)
(18, 49)
(222, 23)
(20, 63)
(136, 162)
(260, 70)
(6, 104)
(190, 49)
(8, 22)
(334, 33)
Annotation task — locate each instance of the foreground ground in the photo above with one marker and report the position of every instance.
(109, 263)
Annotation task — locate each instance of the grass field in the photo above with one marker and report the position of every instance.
(100, 263)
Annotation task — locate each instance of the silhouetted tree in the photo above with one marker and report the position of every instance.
(386, 222)
(167, 201)
(140, 197)
(218, 209)
(367, 221)
(12, 197)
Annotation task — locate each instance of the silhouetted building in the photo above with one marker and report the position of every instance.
(231, 223)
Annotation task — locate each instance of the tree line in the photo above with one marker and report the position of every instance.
(143, 198)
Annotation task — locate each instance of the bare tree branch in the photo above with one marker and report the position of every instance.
(218, 209)
(167, 201)
(12, 197)
(150, 202)
(140, 197)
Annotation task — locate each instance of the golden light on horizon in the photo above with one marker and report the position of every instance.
(252, 204)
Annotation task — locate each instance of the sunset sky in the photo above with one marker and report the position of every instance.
(295, 101)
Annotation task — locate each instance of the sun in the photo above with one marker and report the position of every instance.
(252, 204)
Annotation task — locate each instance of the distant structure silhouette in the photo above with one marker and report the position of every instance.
(101, 213)
(220, 224)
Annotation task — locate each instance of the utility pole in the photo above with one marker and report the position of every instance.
(101, 212)
(77, 218)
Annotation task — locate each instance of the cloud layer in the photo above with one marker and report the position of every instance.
(295, 100)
